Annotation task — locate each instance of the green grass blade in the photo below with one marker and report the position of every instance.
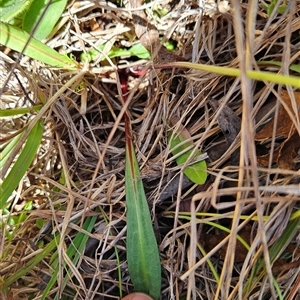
(4, 155)
(74, 252)
(292, 67)
(276, 250)
(27, 267)
(22, 163)
(46, 21)
(142, 251)
(16, 39)
(19, 111)
(195, 172)
(256, 75)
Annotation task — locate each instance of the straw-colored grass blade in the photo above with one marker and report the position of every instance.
(29, 266)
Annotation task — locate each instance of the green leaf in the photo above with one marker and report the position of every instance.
(140, 51)
(16, 39)
(10, 9)
(5, 153)
(29, 266)
(136, 50)
(74, 252)
(22, 164)
(292, 67)
(142, 251)
(227, 71)
(47, 21)
(19, 111)
(275, 251)
(196, 172)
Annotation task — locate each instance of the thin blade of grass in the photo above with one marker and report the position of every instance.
(292, 67)
(19, 111)
(16, 39)
(275, 251)
(4, 155)
(22, 163)
(142, 251)
(27, 267)
(74, 252)
(257, 75)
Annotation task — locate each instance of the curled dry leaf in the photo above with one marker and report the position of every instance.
(284, 154)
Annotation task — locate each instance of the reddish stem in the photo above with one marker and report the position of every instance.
(123, 75)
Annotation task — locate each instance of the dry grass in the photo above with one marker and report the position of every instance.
(80, 167)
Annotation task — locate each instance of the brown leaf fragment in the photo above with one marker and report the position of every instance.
(145, 32)
(217, 150)
(210, 241)
(288, 151)
(281, 266)
(94, 24)
(229, 122)
(284, 123)
(284, 154)
(264, 159)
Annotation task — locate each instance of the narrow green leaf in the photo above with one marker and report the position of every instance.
(22, 164)
(178, 143)
(16, 39)
(74, 252)
(275, 251)
(47, 21)
(10, 9)
(256, 75)
(19, 111)
(27, 267)
(5, 153)
(292, 67)
(142, 251)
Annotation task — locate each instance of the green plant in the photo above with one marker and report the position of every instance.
(23, 24)
(269, 6)
(256, 75)
(182, 148)
(142, 251)
(74, 253)
(22, 163)
(136, 50)
(259, 271)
